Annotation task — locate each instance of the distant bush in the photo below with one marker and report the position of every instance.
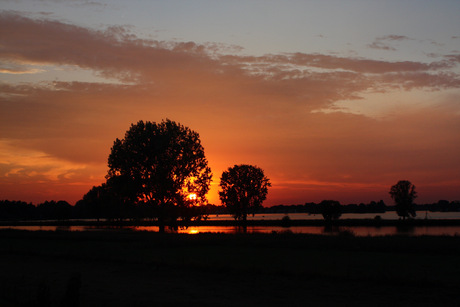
(286, 221)
(330, 209)
(346, 233)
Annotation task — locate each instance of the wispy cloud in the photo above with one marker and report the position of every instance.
(381, 46)
(21, 71)
(394, 37)
(384, 42)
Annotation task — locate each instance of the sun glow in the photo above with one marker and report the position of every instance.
(192, 196)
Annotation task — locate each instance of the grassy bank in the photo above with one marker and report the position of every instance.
(117, 268)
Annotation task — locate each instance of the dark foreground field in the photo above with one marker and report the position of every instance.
(115, 268)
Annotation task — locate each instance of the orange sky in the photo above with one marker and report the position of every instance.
(322, 126)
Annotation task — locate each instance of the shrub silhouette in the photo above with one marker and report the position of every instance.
(330, 209)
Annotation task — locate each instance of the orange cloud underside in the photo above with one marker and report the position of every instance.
(56, 136)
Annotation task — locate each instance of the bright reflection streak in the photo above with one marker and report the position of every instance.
(359, 231)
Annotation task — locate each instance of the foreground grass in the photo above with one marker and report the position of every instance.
(116, 268)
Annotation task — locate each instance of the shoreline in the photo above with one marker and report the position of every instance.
(280, 223)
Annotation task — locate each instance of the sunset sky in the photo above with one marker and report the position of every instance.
(333, 99)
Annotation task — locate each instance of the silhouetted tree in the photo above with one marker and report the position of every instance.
(443, 205)
(330, 209)
(162, 163)
(97, 203)
(403, 193)
(54, 210)
(243, 190)
(121, 195)
(91, 203)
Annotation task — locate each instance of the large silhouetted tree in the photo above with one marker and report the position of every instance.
(162, 164)
(243, 190)
(403, 193)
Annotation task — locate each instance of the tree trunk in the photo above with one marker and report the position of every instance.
(161, 219)
(161, 226)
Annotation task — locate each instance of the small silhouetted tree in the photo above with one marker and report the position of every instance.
(243, 188)
(403, 193)
(330, 209)
(163, 163)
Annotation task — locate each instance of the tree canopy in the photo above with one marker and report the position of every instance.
(403, 193)
(243, 188)
(161, 164)
(330, 209)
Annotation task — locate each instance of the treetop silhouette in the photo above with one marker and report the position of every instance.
(330, 209)
(243, 190)
(161, 164)
(403, 193)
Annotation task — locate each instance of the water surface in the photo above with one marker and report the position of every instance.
(344, 230)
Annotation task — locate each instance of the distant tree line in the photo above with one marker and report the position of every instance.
(371, 207)
(48, 210)
(315, 208)
(106, 209)
(85, 209)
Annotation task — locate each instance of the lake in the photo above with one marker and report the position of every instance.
(347, 230)
(389, 215)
